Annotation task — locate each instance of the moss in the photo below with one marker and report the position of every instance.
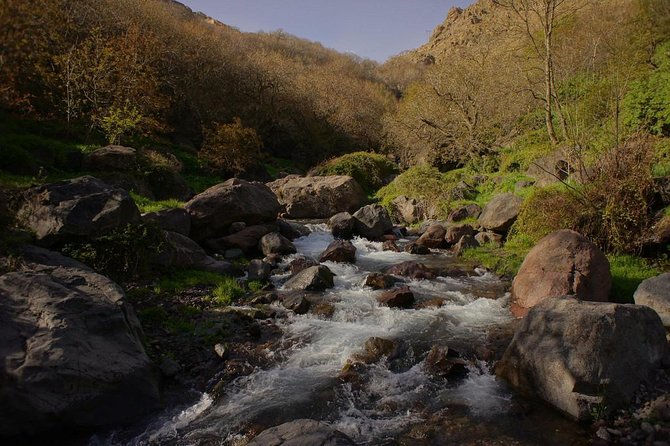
(368, 169)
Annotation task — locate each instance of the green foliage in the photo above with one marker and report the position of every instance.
(528, 148)
(627, 274)
(184, 279)
(227, 291)
(647, 104)
(255, 285)
(120, 121)
(505, 260)
(145, 204)
(661, 167)
(547, 210)
(368, 169)
(121, 254)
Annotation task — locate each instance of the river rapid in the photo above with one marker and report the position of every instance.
(396, 401)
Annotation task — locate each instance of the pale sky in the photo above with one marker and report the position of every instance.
(374, 29)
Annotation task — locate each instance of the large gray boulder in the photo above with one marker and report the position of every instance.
(655, 293)
(564, 262)
(303, 432)
(314, 278)
(500, 213)
(72, 351)
(179, 251)
(114, 158)
(342, 225)
(247, 239)
(372, 221)
(81, 207)
(579, 355)
(213, 211)
(318, 197)
(275, 243)
(175, 220)
(339, 251)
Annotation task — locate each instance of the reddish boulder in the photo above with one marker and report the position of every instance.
(400, 297)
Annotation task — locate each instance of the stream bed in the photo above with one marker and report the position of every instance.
(395, 401)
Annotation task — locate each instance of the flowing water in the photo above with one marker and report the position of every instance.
(396, 401)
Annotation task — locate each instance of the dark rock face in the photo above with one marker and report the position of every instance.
(500, 213)
(182, 252)
(400, 297)
(314, 278)
(318, 197)
(247, 239)
(342, 225)
(175, 220)
(213, 211)
(377, 348)
(390, 245)
(380, 281)
(417, 249)
(292, 230)
(564, 262)
(302, 433)
(73, 356)
(116, 158)
(259, 270)
(576, 355)
(275, 243)
(446, 363)
(433, 237)
(296, 301)
(655, 293)
(464, 212)
(339, 251)
(454, 233)
(83, 206)
(412, 270)
(372, 221)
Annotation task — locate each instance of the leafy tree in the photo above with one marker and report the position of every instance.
(231, 148)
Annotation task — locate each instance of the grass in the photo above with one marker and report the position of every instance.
(226, 288)
(627, 274)
(147, 205)
(502, 260)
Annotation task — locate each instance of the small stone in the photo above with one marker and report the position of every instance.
(220, 350)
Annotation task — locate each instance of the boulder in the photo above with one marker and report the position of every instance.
(342, 225)
(175, 220)
(390, 245)
(466, 242)
(303, 432)
(339, 251)
(376, 348)
(433, 237)
(380, 281)
(72, 350)
(655, 293)
(407, 210)
(318, 197)
(400, 297)
(247, 239)
(301, 263)
(484, 238)
(564, 262)
(114, 158)
(259, 270)
(445, 363)
(372, 221)
(81, 207)
(579, 355)
(464, 212)
(295, 301)
(275, 243)
(314, 278)
(413, 270)
(454, 233)
(500, 213)
(213, 211)
(417, 249)
(292, 230)
(179, 251)
(550, 169)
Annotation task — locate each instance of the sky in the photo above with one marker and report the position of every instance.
(374, 29)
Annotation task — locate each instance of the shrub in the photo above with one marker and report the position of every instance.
(370, 170)
(122, 254)
(231, 148)
(227, 291)
(120, 121)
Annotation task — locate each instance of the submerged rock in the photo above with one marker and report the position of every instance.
(400, 297)
(417, 249)
(380, 281)
(295, 301)
(301, 433)
(446, 363)
(413, 270)
(342, 225)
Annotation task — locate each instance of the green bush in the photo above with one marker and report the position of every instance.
(368, 169)
(122, 254)
(227, 291)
